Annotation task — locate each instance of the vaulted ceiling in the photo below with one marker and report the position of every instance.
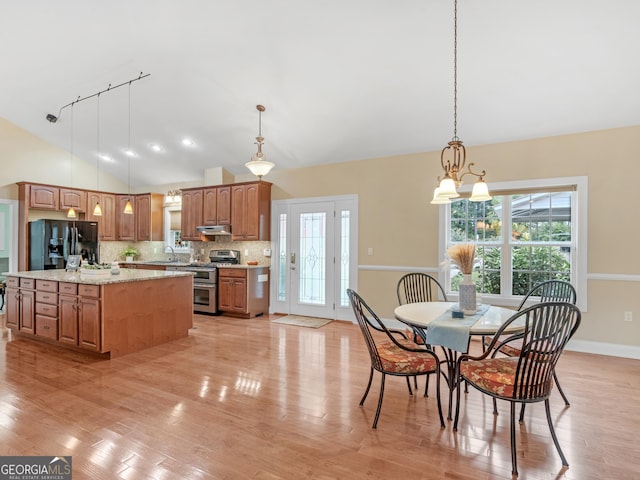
(340, 79)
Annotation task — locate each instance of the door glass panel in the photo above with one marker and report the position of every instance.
(282, 257)
(344, 257)
(312, 258)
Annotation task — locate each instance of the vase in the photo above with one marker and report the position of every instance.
(467, 294)
(128, 258)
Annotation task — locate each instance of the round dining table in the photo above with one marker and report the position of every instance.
(420, 315)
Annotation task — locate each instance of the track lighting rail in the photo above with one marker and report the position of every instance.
(53, 118)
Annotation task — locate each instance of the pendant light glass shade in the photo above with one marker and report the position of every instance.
(128, 208)
(71, 213)
(97, 211)
(258, 164)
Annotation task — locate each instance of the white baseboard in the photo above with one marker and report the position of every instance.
(601, 348)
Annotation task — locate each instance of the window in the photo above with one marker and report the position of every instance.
(172, 230)
(532, 228)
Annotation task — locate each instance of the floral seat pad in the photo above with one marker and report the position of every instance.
(496, 375)
(396, 360)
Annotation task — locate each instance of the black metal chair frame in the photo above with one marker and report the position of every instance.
(548, 326)
(368, 320)
(418, 287)
(548, 291)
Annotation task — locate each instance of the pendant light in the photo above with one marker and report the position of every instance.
(453, 156)
(71, 213)
(128, 208)
(258, 165)
(97, 211)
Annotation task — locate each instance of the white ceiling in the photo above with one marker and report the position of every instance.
(341, 79)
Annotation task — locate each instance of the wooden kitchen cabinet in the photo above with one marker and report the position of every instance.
(251, 211)
(79, 316)
(125, 222)
(44, 197)
(20, 304)
(107, 221)
(232, 291)
(192, 205)
(73, 198)
(216, 206)
(243, 291)
(89, 321)
(68, 319)
(149, 217)
(46, 318)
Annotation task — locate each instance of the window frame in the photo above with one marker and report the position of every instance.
(579, 221)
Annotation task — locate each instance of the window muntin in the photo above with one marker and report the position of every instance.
(539, 247)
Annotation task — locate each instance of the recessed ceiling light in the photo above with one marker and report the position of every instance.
(129, 153)
(104, 157)
(156, 148)
(187, 142)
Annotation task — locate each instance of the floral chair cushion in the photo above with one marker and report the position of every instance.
(496, 375)
(395, 359)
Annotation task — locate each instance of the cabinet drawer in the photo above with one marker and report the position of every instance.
(47, 327)
(46, 297)
(46, 309)
(27, 283)
(232, 272)
(46, 286)
(13, 282)
(89, 290)
(68, 288)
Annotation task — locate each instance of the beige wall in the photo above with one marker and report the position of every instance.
(25, 157)
(398, 222)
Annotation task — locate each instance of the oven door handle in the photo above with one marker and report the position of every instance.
(204, 285)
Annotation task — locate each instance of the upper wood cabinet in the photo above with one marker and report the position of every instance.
(217, 206)
(44, 197)
(192, 205)
(149, 217)
(251, 211)
(125, 222)
(107, 221)
(73, 198)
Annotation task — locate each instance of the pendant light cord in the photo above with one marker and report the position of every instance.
(98, 143)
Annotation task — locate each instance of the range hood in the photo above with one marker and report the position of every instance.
(214, 229)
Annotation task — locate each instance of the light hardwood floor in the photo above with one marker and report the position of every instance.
(257, 400)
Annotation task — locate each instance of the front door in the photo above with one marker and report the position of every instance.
(316, 259)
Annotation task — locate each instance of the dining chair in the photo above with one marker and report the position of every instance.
(527, 378)
(419, 287)
(392, 353)
(548, 291)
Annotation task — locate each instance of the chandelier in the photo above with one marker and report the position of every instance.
(453, 156)
(258, 164)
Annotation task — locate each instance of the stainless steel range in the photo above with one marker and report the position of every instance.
(205, 279)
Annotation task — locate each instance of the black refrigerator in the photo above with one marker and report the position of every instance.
(52, 241)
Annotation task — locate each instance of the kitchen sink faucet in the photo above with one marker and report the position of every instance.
(173, 257)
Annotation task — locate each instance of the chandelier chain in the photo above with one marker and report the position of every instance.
(455, 70)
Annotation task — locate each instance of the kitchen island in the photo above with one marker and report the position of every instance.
(112, 315)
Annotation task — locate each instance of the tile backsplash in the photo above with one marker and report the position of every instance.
(249, 251)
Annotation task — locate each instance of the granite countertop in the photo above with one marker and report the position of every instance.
(168, 263)
(125, 275)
